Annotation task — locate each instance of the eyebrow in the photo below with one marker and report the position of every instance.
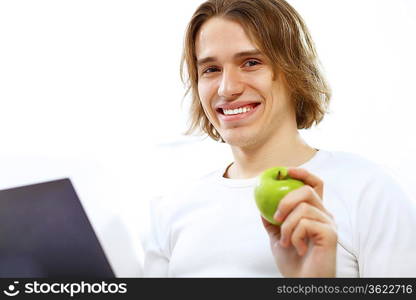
(208, 59)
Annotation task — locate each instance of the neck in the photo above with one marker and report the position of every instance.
(282, 150)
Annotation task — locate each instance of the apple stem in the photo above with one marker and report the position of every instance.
(279, 175)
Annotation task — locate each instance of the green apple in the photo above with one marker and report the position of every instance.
(273, 185)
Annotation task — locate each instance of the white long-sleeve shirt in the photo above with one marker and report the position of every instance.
(212, 227)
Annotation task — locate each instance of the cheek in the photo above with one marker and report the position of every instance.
(205, 92)
(261, 82)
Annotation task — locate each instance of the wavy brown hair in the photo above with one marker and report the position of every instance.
(282, 36)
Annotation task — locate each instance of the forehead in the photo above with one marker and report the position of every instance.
(221, 37)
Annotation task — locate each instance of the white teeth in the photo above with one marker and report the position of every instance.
(237, 111)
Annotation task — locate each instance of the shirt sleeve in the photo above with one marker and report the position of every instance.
(156, 261)
(386, 223)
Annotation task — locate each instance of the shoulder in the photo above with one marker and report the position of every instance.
(352, 166)
(351, 160)
(355, 174)
(186, 192)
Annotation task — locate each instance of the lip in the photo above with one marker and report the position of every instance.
(235, 105)
(237, 117)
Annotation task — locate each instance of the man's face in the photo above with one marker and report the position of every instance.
(236, 86)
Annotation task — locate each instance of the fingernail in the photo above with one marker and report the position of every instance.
(282, 239)
(277, 216)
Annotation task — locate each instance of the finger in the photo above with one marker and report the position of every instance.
(294, 198)
(308, 178)
(272, 230)
(318, 233)
(299, 237)
(303, 210)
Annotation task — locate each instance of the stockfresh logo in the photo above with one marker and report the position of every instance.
(12, 289)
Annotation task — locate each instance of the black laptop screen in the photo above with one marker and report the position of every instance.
(44, 232)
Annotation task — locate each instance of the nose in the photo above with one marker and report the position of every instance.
(231, 85)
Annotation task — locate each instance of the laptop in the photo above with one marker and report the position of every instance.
(45, 232)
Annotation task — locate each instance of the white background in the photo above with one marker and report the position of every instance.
(90, 90)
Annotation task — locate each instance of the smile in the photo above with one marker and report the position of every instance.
(237, 112)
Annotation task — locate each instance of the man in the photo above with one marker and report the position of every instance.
(255, 81)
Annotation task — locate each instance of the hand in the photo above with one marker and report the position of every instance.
(305, 244)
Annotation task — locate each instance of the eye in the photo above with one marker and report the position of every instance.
(210, 70)
(251, 63)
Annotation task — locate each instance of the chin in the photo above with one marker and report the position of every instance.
(239, 140)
